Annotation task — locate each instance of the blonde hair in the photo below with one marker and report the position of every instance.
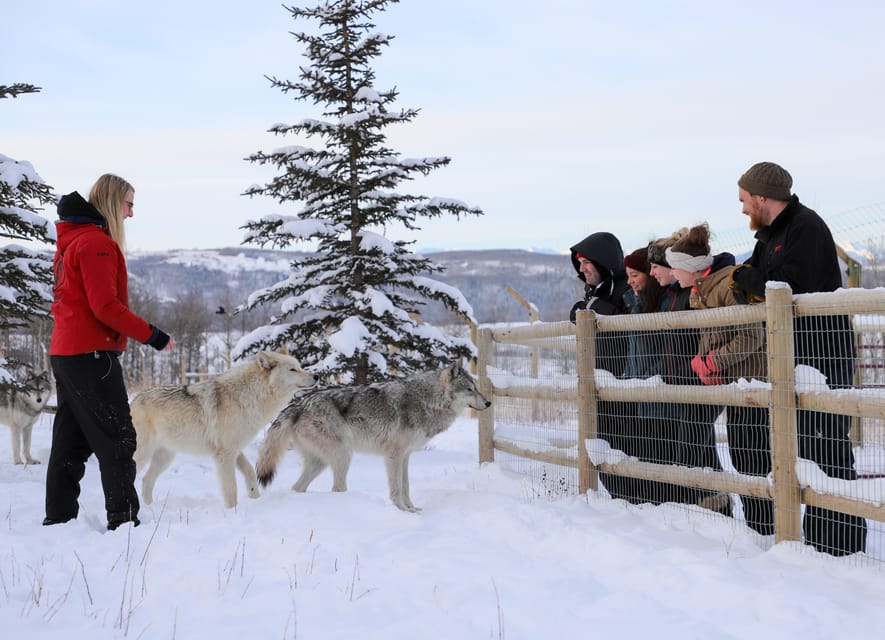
(108, 195)
(657, 248)
(669, 241)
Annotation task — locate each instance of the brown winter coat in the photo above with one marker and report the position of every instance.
(740, 350)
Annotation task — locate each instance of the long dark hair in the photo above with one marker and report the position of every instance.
(650, 296)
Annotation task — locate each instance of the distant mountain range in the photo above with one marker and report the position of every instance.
(496, 282)
(488, 279)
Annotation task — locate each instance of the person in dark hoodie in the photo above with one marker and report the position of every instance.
(92, 323)
(598, 260)
(794, 245)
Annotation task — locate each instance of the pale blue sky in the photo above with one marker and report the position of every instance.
(561, 118)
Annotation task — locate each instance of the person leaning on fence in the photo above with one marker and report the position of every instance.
(794, 245)
(599, 262)
(673, 296)
(650, 436)
(724, 355)
(92, 322)
(693, 425)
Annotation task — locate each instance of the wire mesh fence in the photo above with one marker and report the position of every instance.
(781, 431)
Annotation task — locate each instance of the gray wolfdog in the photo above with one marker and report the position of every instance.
(216, 417)
(391, 419)
(20, 410)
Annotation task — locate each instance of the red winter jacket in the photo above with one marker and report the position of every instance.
(91, 309)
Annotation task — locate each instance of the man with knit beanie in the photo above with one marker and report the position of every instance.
(794, 245)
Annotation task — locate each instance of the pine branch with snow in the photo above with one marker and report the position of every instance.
(25, 273)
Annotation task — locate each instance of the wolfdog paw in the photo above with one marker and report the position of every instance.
(253, 492)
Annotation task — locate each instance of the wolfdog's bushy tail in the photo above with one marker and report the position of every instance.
(274, 446)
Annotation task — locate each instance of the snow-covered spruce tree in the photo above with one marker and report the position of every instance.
(25, 274)
(352, 308)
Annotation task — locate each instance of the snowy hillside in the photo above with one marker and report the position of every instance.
(545, 279)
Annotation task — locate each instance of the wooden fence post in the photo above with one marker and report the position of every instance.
(782, 413)
(486, 354)
(585, 342)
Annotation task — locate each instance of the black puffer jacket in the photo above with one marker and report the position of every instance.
(607, 298)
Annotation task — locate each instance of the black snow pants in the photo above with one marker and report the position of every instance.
(827, 344)
(93, 417)
(749, 443)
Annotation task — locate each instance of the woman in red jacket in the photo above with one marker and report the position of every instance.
(92, 324)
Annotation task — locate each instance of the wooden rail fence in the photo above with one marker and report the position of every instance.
(780, 396)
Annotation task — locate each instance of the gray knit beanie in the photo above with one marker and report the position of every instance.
(767, 179)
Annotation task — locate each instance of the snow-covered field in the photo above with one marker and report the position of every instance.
(484, 559)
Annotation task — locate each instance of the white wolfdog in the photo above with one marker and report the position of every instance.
(20, 410)
(217, 417)
(391, 419)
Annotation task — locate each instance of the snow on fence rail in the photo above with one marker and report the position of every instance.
(792, 482)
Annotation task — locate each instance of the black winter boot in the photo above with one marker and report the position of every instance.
(115, 519)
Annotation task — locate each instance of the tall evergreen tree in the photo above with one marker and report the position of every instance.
(352, 308)
(25, 274)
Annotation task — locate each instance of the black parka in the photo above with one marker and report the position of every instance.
(604, 250)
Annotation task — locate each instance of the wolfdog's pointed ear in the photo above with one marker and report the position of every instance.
(265, 361)
(452, 370)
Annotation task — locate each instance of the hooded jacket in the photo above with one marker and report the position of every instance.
(91, 297)
(604, 250)
(607, 298)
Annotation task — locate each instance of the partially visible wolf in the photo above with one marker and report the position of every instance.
(20, 410)
(217, 417)
(391, 419)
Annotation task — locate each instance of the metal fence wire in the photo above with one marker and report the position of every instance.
(785, 439)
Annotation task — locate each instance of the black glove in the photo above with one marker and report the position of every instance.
(738, 281)
(158, 340)
(580, 305)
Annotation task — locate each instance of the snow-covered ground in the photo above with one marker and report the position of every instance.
(484, 559)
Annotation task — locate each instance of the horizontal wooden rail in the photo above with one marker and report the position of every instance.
(550, 457)
(782, 395)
